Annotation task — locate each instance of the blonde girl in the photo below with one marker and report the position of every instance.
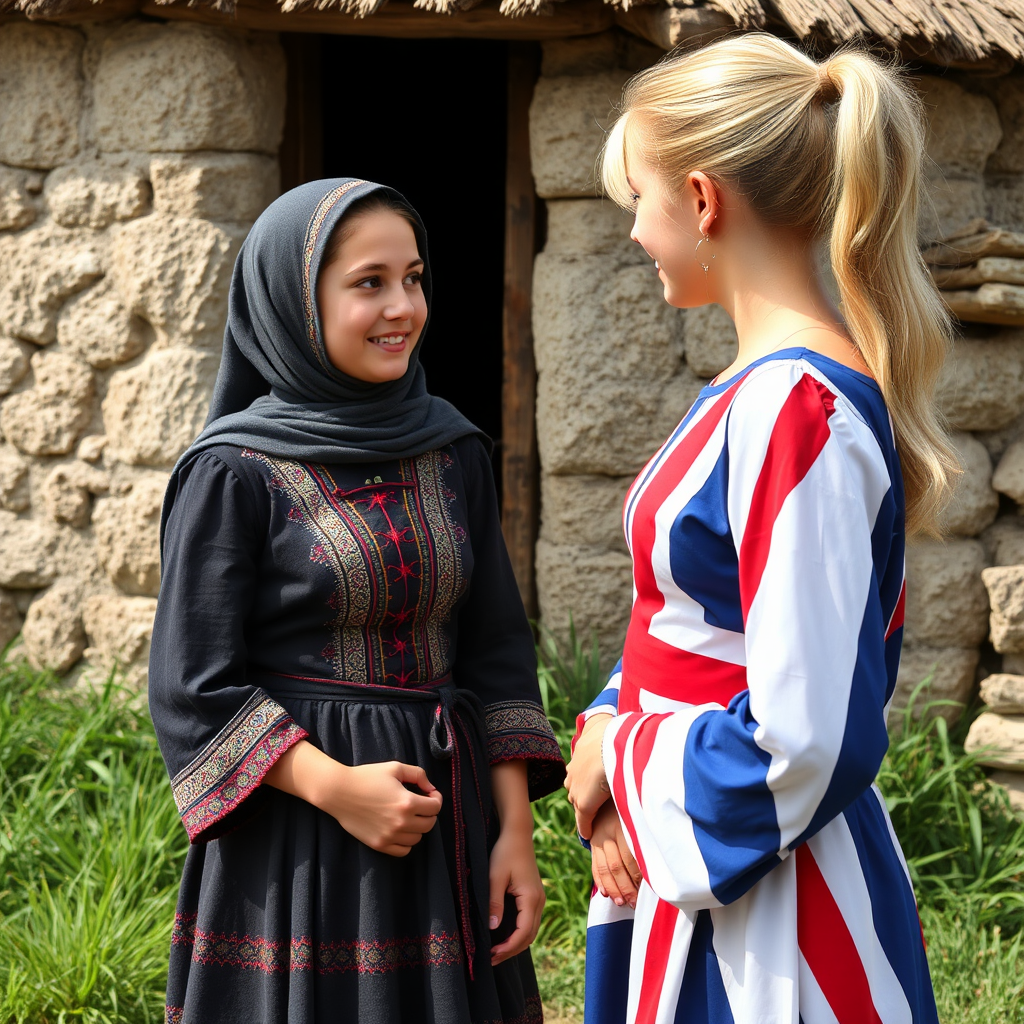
(746, 868)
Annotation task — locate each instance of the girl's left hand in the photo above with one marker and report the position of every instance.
(514, 870)
(584, 777)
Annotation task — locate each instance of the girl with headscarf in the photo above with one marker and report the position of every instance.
(342, 675)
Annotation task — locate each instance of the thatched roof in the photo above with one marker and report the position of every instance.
(954, 32)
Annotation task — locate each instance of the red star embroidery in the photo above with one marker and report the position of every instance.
(398, 646)
(405, 571)
(378, 500)
(395, 536)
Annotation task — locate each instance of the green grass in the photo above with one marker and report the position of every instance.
(91, 851)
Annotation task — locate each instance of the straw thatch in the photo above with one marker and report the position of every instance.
(955, 32)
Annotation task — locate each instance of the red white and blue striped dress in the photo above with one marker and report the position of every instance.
(767, 537)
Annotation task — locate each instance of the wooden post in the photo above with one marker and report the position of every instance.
(520, 472)
(302, 147)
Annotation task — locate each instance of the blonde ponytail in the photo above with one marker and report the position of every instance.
(835, 148)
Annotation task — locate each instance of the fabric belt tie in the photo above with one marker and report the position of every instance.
(456, 733)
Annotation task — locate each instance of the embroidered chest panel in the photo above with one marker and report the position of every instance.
(394, 551)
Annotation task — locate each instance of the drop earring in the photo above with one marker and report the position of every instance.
(697, 256)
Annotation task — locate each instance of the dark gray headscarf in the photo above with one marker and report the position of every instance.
(276, 391)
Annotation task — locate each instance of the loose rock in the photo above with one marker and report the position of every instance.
(96, 327)
(95, 193)
(14, 493)
(1009, 475)
(1001, 737)
(975, 504)
(174, 272)
(53, 634)
(1003, 693)
(218, 186)
(26, 553)
(90, 449)
(182, 87)
(946, 602)
(40, 94)
(49, 418)
(18, 190)
(39, 269)
(128, 535)
(155, 410)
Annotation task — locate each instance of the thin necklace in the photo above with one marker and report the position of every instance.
(778, 344)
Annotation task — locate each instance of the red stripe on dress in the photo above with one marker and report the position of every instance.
(650, 600)
(642, 747)
(659, 945)
(679, 675)
(799, 434)
(828, 946)
(618, 782)
(898, 613)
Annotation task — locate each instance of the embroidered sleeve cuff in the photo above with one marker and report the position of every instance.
(232, 766)
(519, 730)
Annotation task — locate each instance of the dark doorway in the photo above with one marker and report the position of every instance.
(428, 117)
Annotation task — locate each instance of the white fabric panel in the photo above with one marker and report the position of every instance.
(755, 940)
(836, 855)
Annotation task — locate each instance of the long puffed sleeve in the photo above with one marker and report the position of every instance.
(218, 734)
(495, 656)
(711, 797)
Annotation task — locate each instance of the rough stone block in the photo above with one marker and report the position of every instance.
(579, 55)
(568, 120)
(68, 492)
(1004, 693)
(90, 449)
(963, 127)
(612, 383)
(711, 341)
(1009, 475)
(1013, 783)
(217, 186)
(155, 410)
(975, 504)
(13, 364)
(96, 327)
(95, 193)
(39, 270)
(948, 204)
(1005, 585)
(982, 385)
(53, 634)
(1004, 541)
(40, 94)
(588, 227)
(998, 739)
(128, 535)
(26, 553)
(1008, 95)
(118, 630)
(188, 87)
(174, 273)
(952, 671)
(10, 619)
(997, 441)
(946, 602)
(14, 491)
(49, 418)
(584, 508)
(1004, 201)
(18, 190)
(592, 586)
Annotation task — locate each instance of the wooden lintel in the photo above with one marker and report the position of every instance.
(403, 21)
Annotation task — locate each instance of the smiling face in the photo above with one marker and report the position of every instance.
(669, 228)
(370, 297)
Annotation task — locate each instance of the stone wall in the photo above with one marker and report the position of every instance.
(618, 368)
(134, 156)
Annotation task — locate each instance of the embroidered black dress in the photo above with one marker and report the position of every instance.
(371, 609)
